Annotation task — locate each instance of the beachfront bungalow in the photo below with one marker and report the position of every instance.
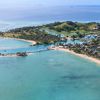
(90, 37)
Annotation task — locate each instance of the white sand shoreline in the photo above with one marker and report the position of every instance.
(30, 41)
(97, 61)
(57, 48)
(14, 55)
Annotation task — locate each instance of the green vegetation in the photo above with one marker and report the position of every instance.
(77, 29)
(51, 33)
(69, 28)
(31, 33)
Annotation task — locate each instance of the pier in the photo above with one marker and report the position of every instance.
(22, 51)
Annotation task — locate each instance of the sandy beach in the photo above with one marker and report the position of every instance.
(30, 41)
(14, 55)
(97, 61)
(56, 48)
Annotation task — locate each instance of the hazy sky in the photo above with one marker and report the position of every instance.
(38, 3)
(36, 9)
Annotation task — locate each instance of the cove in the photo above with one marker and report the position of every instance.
(50, 75)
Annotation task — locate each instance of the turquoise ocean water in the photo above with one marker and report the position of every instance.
(50, 75)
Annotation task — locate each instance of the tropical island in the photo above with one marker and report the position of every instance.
(77, 37)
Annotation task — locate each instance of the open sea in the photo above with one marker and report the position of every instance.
(28, 17)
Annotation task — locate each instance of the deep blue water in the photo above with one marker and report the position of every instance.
(42, 15)
(50, 75)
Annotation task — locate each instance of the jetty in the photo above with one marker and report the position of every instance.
(22, 53)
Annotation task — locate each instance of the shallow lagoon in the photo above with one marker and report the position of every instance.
(50, 75)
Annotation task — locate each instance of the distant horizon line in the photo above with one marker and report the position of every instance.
(78, 5)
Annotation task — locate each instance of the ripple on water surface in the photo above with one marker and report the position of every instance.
(51, 75)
